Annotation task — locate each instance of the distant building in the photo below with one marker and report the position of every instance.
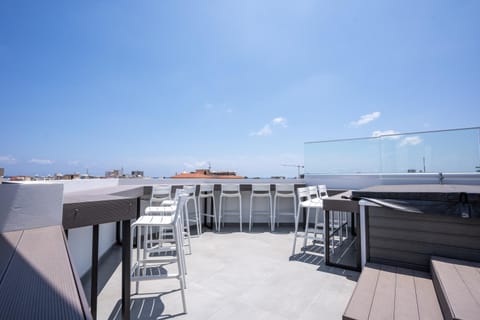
(137, 174)
(21, 178)
(71, 176)
(112, 174)
(207, 174)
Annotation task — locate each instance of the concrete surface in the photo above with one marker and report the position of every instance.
(233, 275)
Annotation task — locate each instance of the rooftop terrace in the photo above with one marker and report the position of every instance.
(233, 275)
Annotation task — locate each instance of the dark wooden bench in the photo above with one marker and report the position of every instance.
(385, 292)
(457, 284)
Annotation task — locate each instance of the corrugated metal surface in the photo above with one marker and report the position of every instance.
(38, 282)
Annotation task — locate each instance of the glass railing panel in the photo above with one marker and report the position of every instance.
(343, 156)
(448, 151)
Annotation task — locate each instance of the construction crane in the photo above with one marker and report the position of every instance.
(298, 166)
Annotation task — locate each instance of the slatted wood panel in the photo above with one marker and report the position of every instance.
(409, 240)
(97, 212)
(97, 206)
(457, 284)
(38, 281)
(385, 292)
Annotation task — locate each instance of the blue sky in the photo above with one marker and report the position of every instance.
(166, 86)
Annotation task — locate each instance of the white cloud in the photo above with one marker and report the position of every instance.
(411, 141)
(73, 163)
(265, 131)
(220, 107)
(280, 121)
(7, 159)
(196, 165)
(41, 161)
(379, 133)
(366, 118)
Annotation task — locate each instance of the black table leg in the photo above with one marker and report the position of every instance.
(126, 269)
(353, 229)
(118, 232)
(326, 241)
(211, 212)
(204, 208)
(94, 284)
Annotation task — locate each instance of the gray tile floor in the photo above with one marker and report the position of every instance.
(233, 275)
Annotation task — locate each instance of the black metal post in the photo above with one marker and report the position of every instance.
(358, 252)
(353, 228)
(139, 201)
(118, 232)
(205, 208)
(326, 241)
(126, 269)
(94, 284)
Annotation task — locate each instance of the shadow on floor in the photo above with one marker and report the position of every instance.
(144, 308)
(314, 255)
(257, 228)
(108, 263)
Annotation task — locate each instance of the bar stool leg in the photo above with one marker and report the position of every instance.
(240, 213)
(220, 214)
(297, 218)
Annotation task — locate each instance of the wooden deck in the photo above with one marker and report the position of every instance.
(385, 292)
(457, 283)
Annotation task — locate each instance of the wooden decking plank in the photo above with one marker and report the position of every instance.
(405, 295)
(358, 307)
(459, 299)
(41, 276)
(427, 302)
(471, 277)
(383, 304)
(8, 244)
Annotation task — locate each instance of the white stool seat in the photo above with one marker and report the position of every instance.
(160, 210)
(283, 191)
(261, 191)
(229, 190)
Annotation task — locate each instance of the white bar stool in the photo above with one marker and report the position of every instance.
(261, 191)
(191, 196)
(317, 194)
(160, 193)
(207, 192)
(151, 267)
(305, 200)
(230, 190)
(283, 191)
(169, 210)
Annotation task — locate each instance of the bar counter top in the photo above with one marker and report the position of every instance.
(427, 192)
